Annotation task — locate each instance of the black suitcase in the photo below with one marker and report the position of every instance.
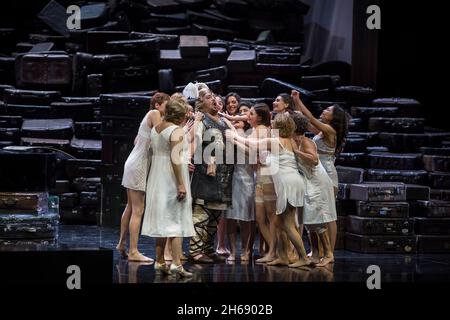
(382, 209)
(124, 105)
(3, 87)
(395, 161)
(78, 216)
(397, 125)
(435, 151)
(86, 149)
(440, 194)
(88, 130)
(343, 191)
(48, 128)
(436, 163)
(130, 78)
(63, 145)
(431, 209)
(219, 56)
(377, 149)
(165, 80)
(439, 180)
(380, 244)
(272, 87)
(134, 46)
(395, 192)
(28, 112)
(350, 175)
(287, 58)
(78, 111)
(379, 226)
(172, 59)
(41, 70)
(25, 226)
(417, 192)
(76, 168)
(102, 62)
(208, 19)
(432, 226)
(212, 74)
(27, 171)
(407, 107)
(61, 186)
(355, 94)
(86, 184)
(11, 122)
(10, 134)
(244, 91)
(345, 208)
(166, 41)
(30, 97)
(21, 202)
(164, 6)
(281, 70)
(404, 142)
(68, 200)
(42, 47)
(355, 144)
(94, 85)
(341, 223)
(356, 160)
(371, 138)
(96, 41)
(194, 46)
(90, 199)
(165, 20)
(213, 32)
(241, 61)
(356, 125)
(433, 244)
(120, 126)
(367, 113)
(405, 176)
(116, 150)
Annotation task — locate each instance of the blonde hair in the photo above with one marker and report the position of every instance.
(284, 124)
(176, 111)
(201, 95)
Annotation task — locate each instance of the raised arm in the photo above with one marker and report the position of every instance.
(250, 142)
(308, 152)
(176, 143)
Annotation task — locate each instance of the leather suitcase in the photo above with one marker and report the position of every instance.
(397, 125)
(356, 160)
(90, 199)
(272, 87)
(61, 186)
(134, 46)
(173, 30)
(86, 184)
(341, 223)
(355, 94)
(377, 149)
(440, 194)
(219, 56)
(130, 78)
(48, 128)
(10, 134)
(241, 61)
(350, 175)
(208, 19)
(244, 91)
(355, 144)
(165, 20)
(395, 161)
(164, 6)
(165, 80)
(404, 142)
(86, 149)
(120, 126)
(382, 209)
(96, 41)
(11, 122)
(76, 168)
(78, 216)
(213, 32)
(63, 145)
(380, 244)
(3, 87)
(194, 46)
(395, 192)
(68, 200)
(281, 70)
(436, 163)
(124, 105)
(431, 209)
(344, 191)
(285, 58)
(432, 226)
(433, 244)
(212, 74)
(430, 151)
(340, 241)
(28, 112)
(370, 137)
(405, 176)
(380, 226)
(27, 171)
(20, 202)
(94, 85)
(25, 226)
(78, 111)
(103, 62)
(45, 71)
(439, 180)
(417, 192)
(88, 130)
(345, 208)
(172, 59)
(356, 125)
(30, 97)
(366, 112)
(116, 151)
(407, 107)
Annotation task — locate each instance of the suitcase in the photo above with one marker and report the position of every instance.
(404, 142)
(380, 244)
(10, 122)
(355, 144)
(439, 180)
(288, 58)
(424, 150)
(440, 194)
(76, 168)
(3, 87)
(208, 19)
(432, 226)
(355, 94)
(410, 177)
(88, 130)
(343, 191)
(395, 161)
(48, 128)
(218, 56)
(94, 15)
(377, 149)
(42, 47)
(125, 127)
(25, 226)
(63, 145)
(28, 112)
(417, 192)
(395, 192)
(61, 186)
(357, 160)
(68, 200)
(116, 151)
(431, 209)
(86, 184)
(433, 244)
(45, 71)
(4, 144)
(94, 85)
(345, 207)
(86, 149)
(173, 30)
(436, 163)
(130, 78)
(350, 175)
(124, 105)
(397, 125)
(165, 20)
(367, 113)
(370, 137)
(230, 20)
(213, 32)
(382, 209)
(406, 107)
(20, 202)
(30, 97)
(165, 80)
(241, 61)
(102, 62)
(164, 6)
(212, 74)
(78, 111)
(172, 59)
(244, 91)
(281, 70)
(134, 46)
(356, 125)
(194, 46)
(78, 216)
(340, 241)
(27, 171)
(10, 134)
(89, 199)
(380, 226)
(272, 87)
(341, 223)
(96, 41)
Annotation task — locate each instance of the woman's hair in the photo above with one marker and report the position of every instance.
(175, 111)
(284, 124)
(340, 124)
(263, 111)
(158, 98)
(179, 96)
(233, 94)
(201, 95)
(245, 104)
(287, 99)
(221, 98)
(301, 123)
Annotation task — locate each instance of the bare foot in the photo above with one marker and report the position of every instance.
(300, 263)
(122, 250)
(245, 257)
(231, 258)
(325, 261)
(138, 257)
(183, 257)
(278, 262)
(265, 259)
(223, 251)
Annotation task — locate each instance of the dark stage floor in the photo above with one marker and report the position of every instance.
(349, 266)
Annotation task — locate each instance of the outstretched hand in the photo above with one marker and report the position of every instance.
(295, 94)
(199, 116)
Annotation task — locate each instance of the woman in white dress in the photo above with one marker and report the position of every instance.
(288, 182)
(135, 180)
(168, 210)
(320, 205)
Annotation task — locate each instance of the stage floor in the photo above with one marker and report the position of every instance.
(349, 266)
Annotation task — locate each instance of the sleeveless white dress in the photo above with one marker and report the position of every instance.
(164, 215)
(243, 188)
(327, 157)
(138, 162)
(289, 184)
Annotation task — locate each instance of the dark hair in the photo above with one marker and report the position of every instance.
(158, 98)
(246, 104)
(263, 111)
(232, 94)
(340, 124)
(301, 123)
(288, 100)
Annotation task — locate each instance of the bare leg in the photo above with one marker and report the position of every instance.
(247, 239)
(124, 225)
(282, 246)
(231, 232)
(329, 257)
(137, 200)
(168, 250)
(315, 243)
(160, 244)
(263, 226)
(221, 232)
(270, 208)
(332, 233)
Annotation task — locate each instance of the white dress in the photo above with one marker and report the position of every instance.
(164, 215)
(320, 204)
(289, 184)
(243, 186)
(137, 164)
(327, 158)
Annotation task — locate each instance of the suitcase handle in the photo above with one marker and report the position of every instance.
(9, 202)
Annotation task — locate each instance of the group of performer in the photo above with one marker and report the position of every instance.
(181, 182)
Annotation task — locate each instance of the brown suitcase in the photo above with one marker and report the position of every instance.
(436, 163)
(378, 192)
(17, 202)
(380, 244)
